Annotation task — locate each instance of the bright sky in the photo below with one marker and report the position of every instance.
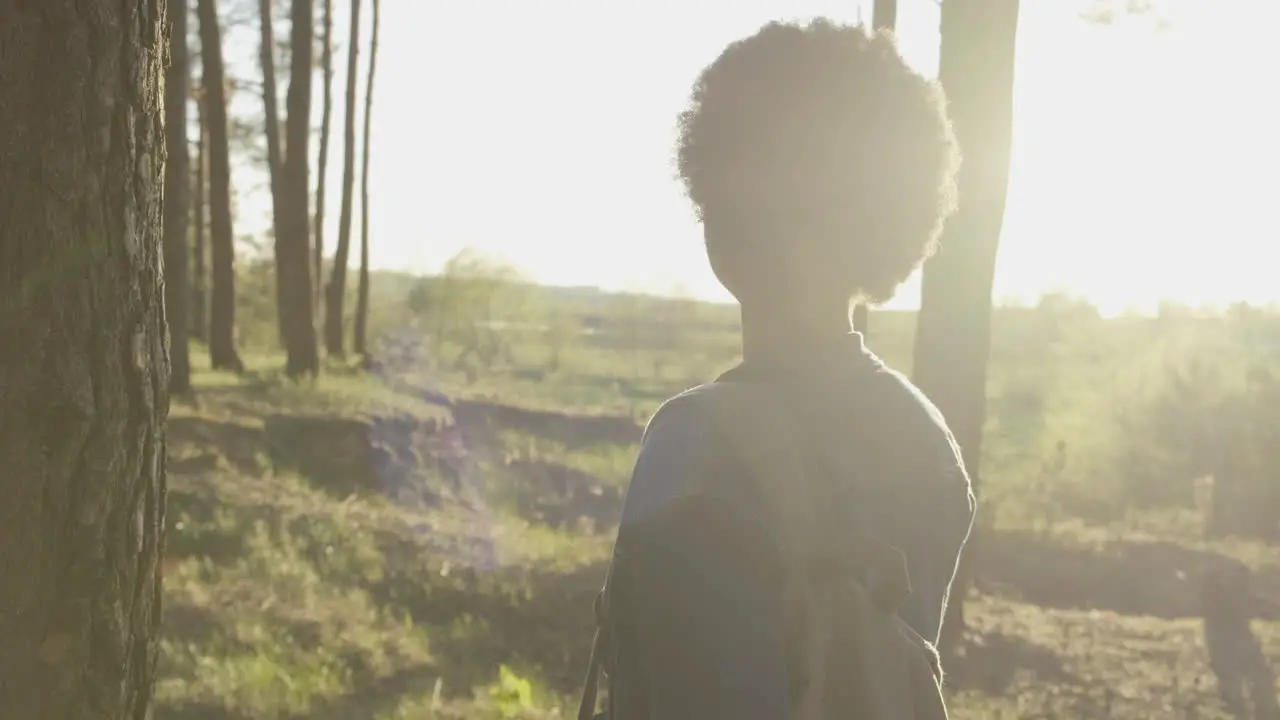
(1145, 160)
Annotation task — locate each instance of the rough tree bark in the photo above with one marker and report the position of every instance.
(271, 123)
(953, 330)
(84, 365)
(292, 246)
(177, 176)
(362, 293)
(322, 165)
(335, 293)
(884, 16)
(199, 275)
(222, 311)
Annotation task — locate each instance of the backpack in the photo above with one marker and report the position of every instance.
(849, 654)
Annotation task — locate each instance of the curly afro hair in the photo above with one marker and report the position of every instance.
(814, 154)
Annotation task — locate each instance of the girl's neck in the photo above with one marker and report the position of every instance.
(773, 335)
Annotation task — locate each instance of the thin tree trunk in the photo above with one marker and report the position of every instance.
(292, 246)
(83, 367)
(222, 312)
(362, 294)
(953, 330)
(177, 178)
(326, 60)
(336, 291)
(271, 115)
(884, 16)
(199, 282)
(198, 319)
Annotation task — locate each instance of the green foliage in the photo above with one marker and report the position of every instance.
(470, 599)
(278, 618)
(514, 694)
(1106, 418)
(477, 304)
(256, 305)
(1213, 417)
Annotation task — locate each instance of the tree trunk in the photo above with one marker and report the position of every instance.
(294, 241)
(222, 313)
(362, 294)
(335, 293)
(271, 121)
(177, 176)
(326, 60)
(884, 16)
(953, 330)
(199, 282)
(83, 364)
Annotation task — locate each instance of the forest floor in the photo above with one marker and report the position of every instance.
(360, 548)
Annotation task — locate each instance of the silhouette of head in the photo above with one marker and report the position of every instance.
(819, 163)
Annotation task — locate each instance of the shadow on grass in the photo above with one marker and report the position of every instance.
(992, 663)
(338, 455)
(559, 496)
(190, 623)
(199, 710)
(206, 443)
(572, 431)
(375, 697)
(538, 621)
(1156, 578)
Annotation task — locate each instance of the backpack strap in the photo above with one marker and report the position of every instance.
(741, 413)
(758, 432)
(599, 646)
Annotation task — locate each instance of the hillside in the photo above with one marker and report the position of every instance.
(424, 539)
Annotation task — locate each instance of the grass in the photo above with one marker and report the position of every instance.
(330, 556)
(284, 599)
